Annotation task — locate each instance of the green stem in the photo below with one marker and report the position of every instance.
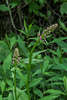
(15, 84)
(29, 68)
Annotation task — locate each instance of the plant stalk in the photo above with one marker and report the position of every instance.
(29, 69)
(15, 84)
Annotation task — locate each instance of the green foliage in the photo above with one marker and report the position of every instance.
(63, 8)
(41, 73)
(63, 26)
(3, 7)
(7, 62)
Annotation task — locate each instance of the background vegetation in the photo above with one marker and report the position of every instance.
(33, 66)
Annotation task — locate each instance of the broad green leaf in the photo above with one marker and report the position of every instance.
(45, 65)
(38, 71)
(36, 53)
(58, 39)
(35, 82)
(52, 91)
(54, 78)
(21, 94)
(65, 49)
(10, 96)
(9, 82)
(56, 59)
(62, 25)
(22, 46)
(53, 52)
(63, 8)
(7, 62)
(65, 82)
(1, 57)
(59, 52)
(21, 75)
(34, 7)
(56, 83)
(49, 97)
(31, 44)
(0, 97)
(62, 44)
(13, 5)
(3, 7)
(60, 67)
(12, 41)
(38, 92)
(36, 61)
(2, 86)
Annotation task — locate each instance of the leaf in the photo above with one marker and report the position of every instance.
(21, 31)
(65, 82)
(63, 8)
(62, 44)
(34, 7)
(63, 26)
(38, 92)
(12, 41)
(1, 57)
(25, 26)
(49, 97)
(22, 46)
(55, 53)
(29, 27)
(56, 60)
(2, 86)
(13, 5)
(36, 53)
(23, 96)
(58, 53)
(3, 7)
(34, 82)
(0, 97)
(7, 62)
(31, 44)
(9, 82)
(21, 75)
(10, 96)
(41, 1)
(58, 39)
(52, 91)
(38, 71)
(55, 1)
(45, 65)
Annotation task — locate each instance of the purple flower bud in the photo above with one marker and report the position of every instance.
(45, 30)
(43, 40)
(39, 34)
(12, 58)
(40, 38)
(13, 62)
(45, 35)
(17, 60)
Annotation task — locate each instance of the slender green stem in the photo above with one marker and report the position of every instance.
(15, 84)
(29, 68)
